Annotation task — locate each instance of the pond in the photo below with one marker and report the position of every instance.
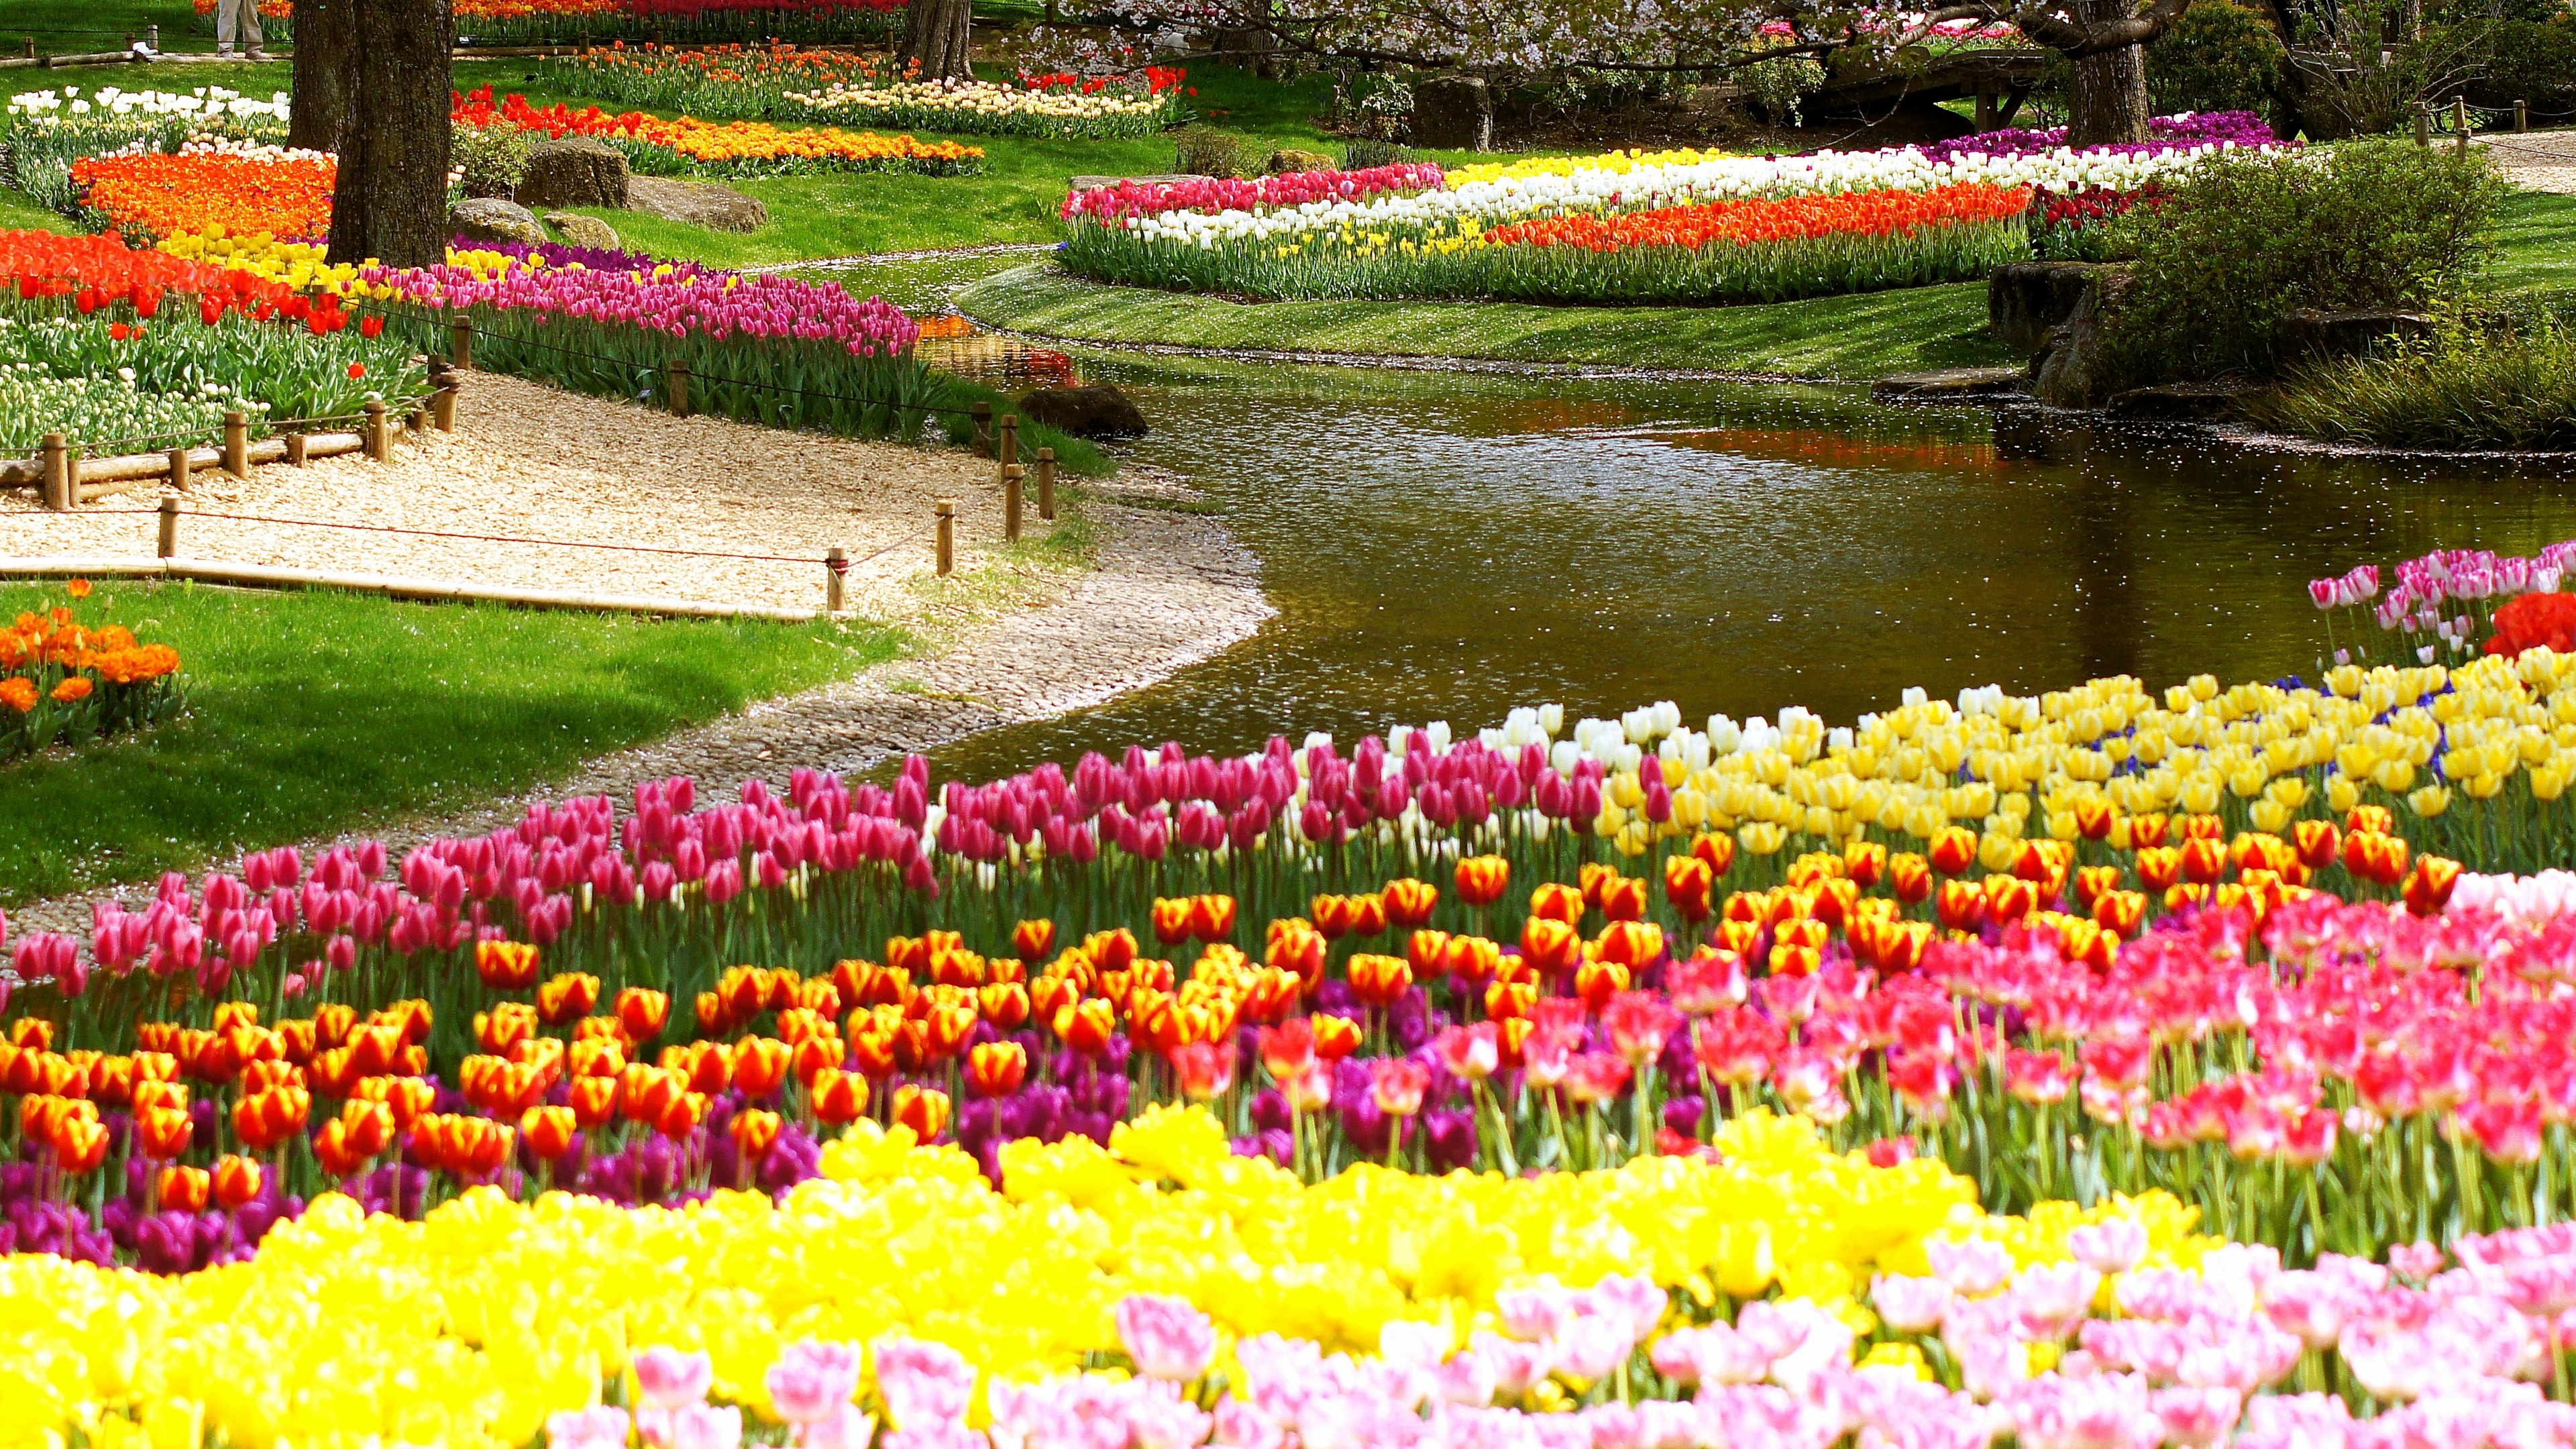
(1450, 545)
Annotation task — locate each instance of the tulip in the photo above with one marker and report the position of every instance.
(183, 1189)
(839, 1097)
(1034, 940)
(1482, 879)
(996, 1069)
(754, 1132)
(642, 1012)
(548, 1131)
(1379, 981)
(567, 997)
(922, 1110)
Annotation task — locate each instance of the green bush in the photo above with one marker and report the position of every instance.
(493, 158)
(1205, 151)
(2217, 57)
(2506, 389)
(2379, 223)
(2534, 62)
(1363, 153)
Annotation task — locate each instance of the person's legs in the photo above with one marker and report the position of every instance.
(250, 27)
(224, 26)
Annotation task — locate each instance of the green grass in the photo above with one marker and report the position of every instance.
(313, 713)
(80, 27)
(1826, 337)
(2537, 232)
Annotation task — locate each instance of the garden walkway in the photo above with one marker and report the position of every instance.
(2538, 160)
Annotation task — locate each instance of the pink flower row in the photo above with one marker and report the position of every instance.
(1295, 188)
(678, 301)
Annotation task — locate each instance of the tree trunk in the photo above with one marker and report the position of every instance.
(391, 201)
(322, 41)
(2109, 106)
(935, 36)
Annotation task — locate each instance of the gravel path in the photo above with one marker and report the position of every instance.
(536, 462)
(2538, 160)
(1168, 588)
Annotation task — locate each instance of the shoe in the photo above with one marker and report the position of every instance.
(258, 54)
(223, 52)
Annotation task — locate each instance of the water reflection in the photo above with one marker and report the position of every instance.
(1448, 546)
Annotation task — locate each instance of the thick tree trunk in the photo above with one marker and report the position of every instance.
(323, 59)
(391, 202)
(935, 36)
(2109, 106)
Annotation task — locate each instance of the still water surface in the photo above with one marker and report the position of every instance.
(1448, 546)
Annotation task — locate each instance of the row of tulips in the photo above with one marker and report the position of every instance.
(1356, 235)
(463, 1328)
(45, 132)
(759, 347)
(207, 185)
(61, 683)
(2450, 604)
(1717, 252)
(706, 148)
(783, 83)
(144, 346)
(599, 22)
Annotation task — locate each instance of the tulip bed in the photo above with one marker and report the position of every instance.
(275, 190)
(780, 82)
(123, 349)
(584, 22)
(740, 148)
(45, 132)
(62, 683)
(1678, 226)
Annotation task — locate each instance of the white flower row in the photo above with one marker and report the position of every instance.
(1509, 199)
(110, 101)
(978, 97)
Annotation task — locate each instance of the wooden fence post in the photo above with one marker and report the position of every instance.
(295, 450)
(679, 389)
(378, 443)
(237, 444)
(1046, 484)
(1011, 502)
(2522, 115)
(442, 408)
(982, 441)
(947, 511)
(1007, 451)
(169, 543)
(2460, 124)
(59, 494)
(2423, 124)
(460, 345)
(178, 469)
(836, 569)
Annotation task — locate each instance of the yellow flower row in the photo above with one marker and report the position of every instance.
(2045, 765)
(301, 265)
(1618, 163)
(467, 1329)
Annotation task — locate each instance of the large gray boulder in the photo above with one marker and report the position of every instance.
(703, 203)
(2310, 334)
(490, 219)
(2025, 301)
(1453, 113)
(583, 231)
(2074, 369)
(1100, 411)
(573, 171)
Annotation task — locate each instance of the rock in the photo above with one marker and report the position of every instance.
(1098, 411)
(2025, 301)
(489, 218)
(703, 203)
(2073, 369)
(574, 171)
(2309, 334)
(1949, 384)
(2173, 402)
(583, 231)
(1094, 183)
(1284, 161)
(1453, 113)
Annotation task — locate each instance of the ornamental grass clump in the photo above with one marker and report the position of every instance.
(2467, 387)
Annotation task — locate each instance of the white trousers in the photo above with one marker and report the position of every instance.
(237, 15)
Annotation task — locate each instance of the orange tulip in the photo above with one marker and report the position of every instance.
(643, 1013)
(567, 997)
(1471, 960)
(1952, 850)
(754, 1132)
(406, 1098)
(1033, 939)
(997, 1068)
(1505, 1000)
(1409, 903)
(184, 1189)
(1635, 945)
(1004, 1003)
(1380, 981)
(1909, 876)
(1597, 981)
(265, 1119)
(2120, 912)
(1335, 1036)
(760, 1066)
(1551, 946)
(1623, 899)
(839, 1096)
(1110, 950)
(681, 1115)
(1688, 885)
(506, 1025)
(1296, 946)
(1087, 1026)
(548, 1131)
(506, 965)
(1482, 879)
(872, 1046)
(1961, 906)
(1212, 918)
(2429, 888)
(922, 1109)
(162, 1133)
(1557, 901)
(1172, 920)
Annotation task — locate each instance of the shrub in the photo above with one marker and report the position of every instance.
(2217, 57)
(1206, 151)
(2534, 62)
(493, 158)
(2462, 390)
(1365, 155)
(2379, 223)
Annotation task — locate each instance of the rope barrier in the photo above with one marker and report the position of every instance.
(472, 537)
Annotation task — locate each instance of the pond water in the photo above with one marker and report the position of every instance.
(1448, 546)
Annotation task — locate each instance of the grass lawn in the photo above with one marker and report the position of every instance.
(1839, 338)
(2537, 232)
(313, 713)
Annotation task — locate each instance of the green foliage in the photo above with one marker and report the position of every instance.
(314, 713)
(2249, 238)
(1775, 87)
(1206, 151)
(2509, 388)
(1363, 153)
(2217, 57)
(493, 158)
(2535, 61)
